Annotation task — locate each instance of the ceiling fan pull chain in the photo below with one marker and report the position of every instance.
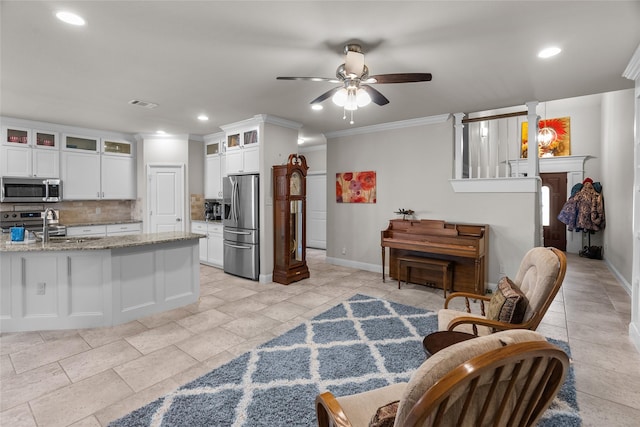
(351, 122)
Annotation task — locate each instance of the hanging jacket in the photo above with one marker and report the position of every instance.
(584, 211)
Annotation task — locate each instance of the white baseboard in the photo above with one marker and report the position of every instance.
(626, 285)
(634, 334)
(376, 268)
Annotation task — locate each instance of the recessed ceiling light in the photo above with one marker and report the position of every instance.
(70, 18)
(316, 107)
(161, 132)
(549, 52)
(203, 118)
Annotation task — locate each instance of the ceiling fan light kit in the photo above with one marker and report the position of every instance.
(354, 77)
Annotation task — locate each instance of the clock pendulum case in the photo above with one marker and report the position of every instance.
(290, 220)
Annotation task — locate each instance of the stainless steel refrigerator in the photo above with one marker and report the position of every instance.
(241, 225)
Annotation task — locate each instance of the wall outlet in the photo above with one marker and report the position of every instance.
(502, 269)
(344, 251)
(41, 288)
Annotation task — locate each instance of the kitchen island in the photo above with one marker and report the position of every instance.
(70, 283)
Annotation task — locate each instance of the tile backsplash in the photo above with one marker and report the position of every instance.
(78, 212)
(197, 207)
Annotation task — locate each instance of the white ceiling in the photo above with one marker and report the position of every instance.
(222, 58)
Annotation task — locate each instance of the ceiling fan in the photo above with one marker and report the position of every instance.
(354, 79)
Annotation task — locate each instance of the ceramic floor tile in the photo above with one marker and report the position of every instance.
(6, 367)
(239, 307)
(251, 325)
(15, 342)
(207, 344)
(91, 362)
(31, 384)
(597, 412)
(153, 339)
(201, 322)
(595, 334)
(155, 367)
(608, 357)
(284, 311)
(160, 319)
(56, 335)
(234, 293)
(204, 303)
(122, 407)
(309, 299)
(271, 296)
(87, 422)
(97, 337)
(79, 400)
(618, 387)
(20, 416)
(47, 352)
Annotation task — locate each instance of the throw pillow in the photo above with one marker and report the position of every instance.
(385, 415)
(508, 304)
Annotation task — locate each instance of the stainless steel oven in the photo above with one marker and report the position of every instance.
(24, 190)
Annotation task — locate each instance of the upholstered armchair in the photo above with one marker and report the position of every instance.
(507, 378)
(521, 306)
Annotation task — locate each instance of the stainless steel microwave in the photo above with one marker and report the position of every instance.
(30, 190)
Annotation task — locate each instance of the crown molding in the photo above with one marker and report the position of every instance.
(389, 126)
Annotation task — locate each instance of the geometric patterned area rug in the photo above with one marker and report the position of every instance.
(358, 345)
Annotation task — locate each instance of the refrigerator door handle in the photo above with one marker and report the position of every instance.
(236, 246)
(245, 233)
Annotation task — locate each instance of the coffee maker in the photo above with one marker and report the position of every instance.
(212, 210)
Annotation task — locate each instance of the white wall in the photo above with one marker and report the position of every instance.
(277, 143)
(414, 164)
(316, 156)
(156, 149)
(617, 180)
(413, 167)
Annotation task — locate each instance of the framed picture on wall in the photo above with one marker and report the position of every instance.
(554, 136)
(356, 187)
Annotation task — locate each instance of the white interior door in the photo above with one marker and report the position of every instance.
(165, 207)
(317, 211)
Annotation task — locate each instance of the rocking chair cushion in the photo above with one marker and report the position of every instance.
(385, 415)
(508, 304)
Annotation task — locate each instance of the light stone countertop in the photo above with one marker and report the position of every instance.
(79, 243)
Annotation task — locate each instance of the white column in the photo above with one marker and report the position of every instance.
(532, 117)
(458, 143)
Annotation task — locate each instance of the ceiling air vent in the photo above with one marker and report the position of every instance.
(143, 104)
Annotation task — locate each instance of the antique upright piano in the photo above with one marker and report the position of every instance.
(466, 245)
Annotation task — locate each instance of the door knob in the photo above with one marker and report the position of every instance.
(178, 219)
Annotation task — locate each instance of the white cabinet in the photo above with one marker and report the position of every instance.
(118, 178)
(90, 174)
(103, 230)
(213, 177)
(214, 165)
(243, 151)
(29, 153)
(211, 246)
(87, 231)
(80, 175)
(124, 229)
(54, 290)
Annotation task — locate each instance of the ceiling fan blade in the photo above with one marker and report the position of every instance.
(400, 78)
(375, 95)
(313, 79)
(326, 95)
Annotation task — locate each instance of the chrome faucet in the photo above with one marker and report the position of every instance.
(45, 224)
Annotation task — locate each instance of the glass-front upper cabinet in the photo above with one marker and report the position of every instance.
(77, 142)
(18, 136)
(45, 139)
(213, 148)
(245, 138)
(117, 147)
(15, 135)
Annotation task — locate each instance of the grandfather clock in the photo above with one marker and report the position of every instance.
(290, 220)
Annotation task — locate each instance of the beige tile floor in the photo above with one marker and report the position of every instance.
(88, 377)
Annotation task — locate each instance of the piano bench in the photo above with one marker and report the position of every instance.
(445, 267)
